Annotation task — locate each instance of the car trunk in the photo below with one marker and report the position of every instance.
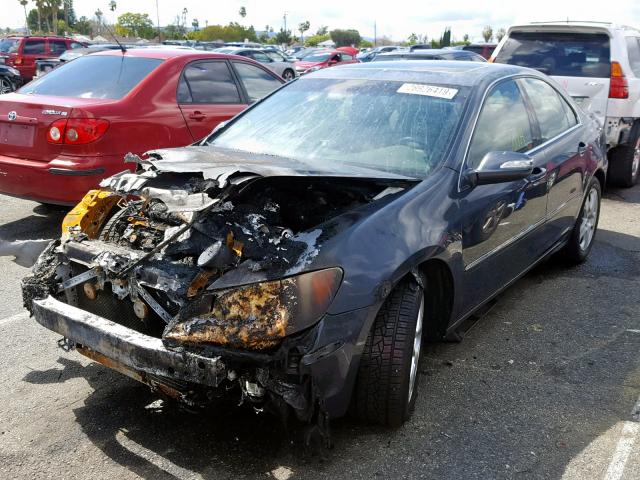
(25, 120)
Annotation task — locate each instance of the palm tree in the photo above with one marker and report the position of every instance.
(39, 6)
(98, 14)
(26, 19)
(243, 12)
(113, 5)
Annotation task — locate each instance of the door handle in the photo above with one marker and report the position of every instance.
(198, 116)
(582, 148)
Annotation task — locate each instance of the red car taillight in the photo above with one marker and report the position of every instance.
(77, 131)
(618, 86)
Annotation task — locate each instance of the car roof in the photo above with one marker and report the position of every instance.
(424, 71)
(557, 25)
(420, 51)
(161, 53)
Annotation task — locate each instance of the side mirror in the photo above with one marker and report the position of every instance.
(501, 167)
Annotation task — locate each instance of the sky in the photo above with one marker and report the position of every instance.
(397, 19)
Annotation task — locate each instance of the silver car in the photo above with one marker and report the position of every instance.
(270, 59)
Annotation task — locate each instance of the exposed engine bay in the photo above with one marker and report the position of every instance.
(217, 267)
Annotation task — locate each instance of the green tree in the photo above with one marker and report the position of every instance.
(26, 17)
(113, 5)
(445, 40)
(500, 34)
(83, 26)
(195, 24)
(323, 30)
(242, 12)
(135, 25)
(303, 27)
(314, 40)
(412, 39)
(487, 33)
(345, 38)
(283, 37)
(465, 38)
(233, 32)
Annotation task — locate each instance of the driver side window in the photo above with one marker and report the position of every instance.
(503, 124)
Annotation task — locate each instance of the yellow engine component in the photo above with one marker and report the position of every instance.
(89, 215)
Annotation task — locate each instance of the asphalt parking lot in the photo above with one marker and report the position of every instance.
(547, 385)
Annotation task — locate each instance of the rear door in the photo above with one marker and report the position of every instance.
(208, 94)
(57, 47)
(579, 60)
(257, 82)
(565, 144)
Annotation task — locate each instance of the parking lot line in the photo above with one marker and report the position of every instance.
(623, 450)
(17, 316)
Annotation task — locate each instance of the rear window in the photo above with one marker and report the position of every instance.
(109, 77)
(633, 50)
(559, 53)
(8, 45)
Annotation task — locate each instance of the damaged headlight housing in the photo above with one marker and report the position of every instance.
(260, 315)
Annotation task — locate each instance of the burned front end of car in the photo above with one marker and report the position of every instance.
(203, 286)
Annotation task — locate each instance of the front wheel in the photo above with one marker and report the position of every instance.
(584, 231)
(386, 388)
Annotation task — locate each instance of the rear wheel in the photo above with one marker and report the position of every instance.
(624, 161)
(386, 388)
(584, 231)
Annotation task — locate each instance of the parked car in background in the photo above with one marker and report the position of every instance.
(45, 66)
(304, 52)
(432, 54)
(66, 131)
(599, 65)
(272, 60)
(370, 54)
(320, 59)
(483, 49)
(10, 79)
(448, 197)
(22, 52)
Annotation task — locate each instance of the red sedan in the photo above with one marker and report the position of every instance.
(63, 133)
(320, 59)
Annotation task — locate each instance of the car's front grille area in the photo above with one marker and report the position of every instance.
(108, 306)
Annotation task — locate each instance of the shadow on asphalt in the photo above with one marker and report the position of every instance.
(45, 223)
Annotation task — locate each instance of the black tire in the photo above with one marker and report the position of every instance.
(6, 86)
(624, 161)
(382, 388)
(575, 251)
(288, 75)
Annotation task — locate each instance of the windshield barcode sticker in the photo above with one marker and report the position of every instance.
(428, 90)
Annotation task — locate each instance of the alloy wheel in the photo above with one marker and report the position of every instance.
(5, 86)
(415, 356)
(589, 220)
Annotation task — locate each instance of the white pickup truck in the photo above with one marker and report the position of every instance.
(598, 64)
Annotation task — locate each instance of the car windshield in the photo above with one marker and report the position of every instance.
(317, 57)
(8, 45)
(390, 126)
(559, 53)
(101, 76)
